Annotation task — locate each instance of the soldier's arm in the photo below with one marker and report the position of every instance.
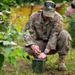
(29, 32)
(58, 27)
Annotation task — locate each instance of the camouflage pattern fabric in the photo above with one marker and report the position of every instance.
(50, 32)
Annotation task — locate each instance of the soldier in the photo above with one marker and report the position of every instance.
(71, 9)
(44, 34)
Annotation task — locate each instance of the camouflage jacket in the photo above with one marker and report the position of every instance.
(37, 28)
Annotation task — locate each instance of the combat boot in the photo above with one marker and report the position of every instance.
(61, 64)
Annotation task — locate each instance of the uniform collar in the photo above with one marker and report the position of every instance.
(43, 21)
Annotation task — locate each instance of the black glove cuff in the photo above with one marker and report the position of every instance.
(73, 6)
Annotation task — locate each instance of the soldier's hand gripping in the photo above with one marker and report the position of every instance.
(42, 55)
(35, 49)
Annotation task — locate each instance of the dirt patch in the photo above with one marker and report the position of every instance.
(24, 67)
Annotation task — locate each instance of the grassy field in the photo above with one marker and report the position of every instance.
(24, 66)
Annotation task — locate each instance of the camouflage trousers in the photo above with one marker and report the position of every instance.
(62, 47)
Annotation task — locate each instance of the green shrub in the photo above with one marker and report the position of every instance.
(71, 28)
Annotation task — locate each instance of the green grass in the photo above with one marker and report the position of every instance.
(24, 66)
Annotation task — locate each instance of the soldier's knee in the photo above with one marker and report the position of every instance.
(65, 38)
(65, 35)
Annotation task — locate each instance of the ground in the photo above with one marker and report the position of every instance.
(24, 66)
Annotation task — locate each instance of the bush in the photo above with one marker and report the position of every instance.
(71, 28)
(10, 35)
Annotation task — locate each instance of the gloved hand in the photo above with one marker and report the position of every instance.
(42, 55)
(35, 49)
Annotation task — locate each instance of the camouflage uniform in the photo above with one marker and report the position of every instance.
(46, 34)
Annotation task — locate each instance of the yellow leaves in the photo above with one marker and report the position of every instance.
(18, 27)
(65, 23)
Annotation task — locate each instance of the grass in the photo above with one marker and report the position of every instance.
(24, 66)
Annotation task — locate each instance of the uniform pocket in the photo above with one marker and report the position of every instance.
(69, 42)
(38, 25)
